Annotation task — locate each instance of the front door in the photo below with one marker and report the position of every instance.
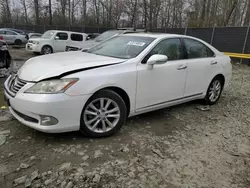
(165, 82)
(60, 42)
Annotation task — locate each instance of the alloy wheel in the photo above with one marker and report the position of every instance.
(215, 91)
(101, 115)
(46, 50)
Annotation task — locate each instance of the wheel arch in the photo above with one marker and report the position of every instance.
(121, 92)
(220, 76)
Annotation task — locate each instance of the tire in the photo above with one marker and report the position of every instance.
(112, 124)
(18, 42)
(46, 50)
(215, 88)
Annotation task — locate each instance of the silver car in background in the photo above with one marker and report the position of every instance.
(12, 37)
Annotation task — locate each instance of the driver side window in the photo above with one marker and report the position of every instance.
(169, 47)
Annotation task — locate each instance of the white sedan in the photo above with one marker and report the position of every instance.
(96, 90)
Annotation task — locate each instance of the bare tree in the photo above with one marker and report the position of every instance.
(50, 13)
(36, 7)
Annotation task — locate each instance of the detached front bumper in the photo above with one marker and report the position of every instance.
(29, 108)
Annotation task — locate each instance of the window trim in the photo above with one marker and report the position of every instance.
(182, 47)
(185, 48)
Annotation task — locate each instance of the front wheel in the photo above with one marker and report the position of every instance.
(103, 115)
(214, 91)
(46, 50)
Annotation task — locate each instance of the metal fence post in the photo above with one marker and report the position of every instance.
(212, 37)
(186, 29)
(245, 42)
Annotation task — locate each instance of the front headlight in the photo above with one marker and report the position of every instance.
(52, 86)
(36, 42)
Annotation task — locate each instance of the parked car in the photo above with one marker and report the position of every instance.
(95, 91)
(34, 35)
(5, 58)
(22, 32)
(104, 36)
(12, 37)
(54, 41)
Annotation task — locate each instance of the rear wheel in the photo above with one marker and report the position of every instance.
(18, 42)
(214, 91)
(103, 115)
(46, 50)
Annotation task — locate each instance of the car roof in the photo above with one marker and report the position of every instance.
(154, 35)
(65, 31)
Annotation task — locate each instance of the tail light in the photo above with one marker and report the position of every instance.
(1, 37)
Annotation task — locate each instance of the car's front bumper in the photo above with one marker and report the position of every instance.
(28, 108)
(33, 47)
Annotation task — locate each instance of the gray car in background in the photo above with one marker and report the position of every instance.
(12, 37)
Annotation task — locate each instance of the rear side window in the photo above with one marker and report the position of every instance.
(10, 33)
(76, 37)
(196, 49)
(62, 36)
(2, 32)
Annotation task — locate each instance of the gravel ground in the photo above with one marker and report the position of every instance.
(186, 146)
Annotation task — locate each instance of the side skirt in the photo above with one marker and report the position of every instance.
(167, 104)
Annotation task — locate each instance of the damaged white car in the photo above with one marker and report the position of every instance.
(96, 90)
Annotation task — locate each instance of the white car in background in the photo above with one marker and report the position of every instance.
(95, 91)
(54, 41)
(12, 37)
(102, 37)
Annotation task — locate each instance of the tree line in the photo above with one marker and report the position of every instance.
(126, 13)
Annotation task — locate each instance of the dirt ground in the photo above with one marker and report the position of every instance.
(186, 146)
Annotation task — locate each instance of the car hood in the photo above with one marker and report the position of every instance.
(88, 44)
(53, 65)
(39, 39)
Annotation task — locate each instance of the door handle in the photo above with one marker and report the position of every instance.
(213, 63)
(182, 67)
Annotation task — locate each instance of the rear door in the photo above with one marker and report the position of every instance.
(76, 40)
(202, 65)
(60, 41)
(10, 36)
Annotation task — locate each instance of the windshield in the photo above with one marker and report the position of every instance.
(107, 35)
(48, 35)
(124, 47)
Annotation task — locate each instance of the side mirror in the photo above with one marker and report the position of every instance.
(56, 38)
(156, 59)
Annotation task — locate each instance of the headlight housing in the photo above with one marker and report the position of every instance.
(52, 86)
(36, 42)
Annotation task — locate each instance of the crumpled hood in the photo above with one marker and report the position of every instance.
(46, 66)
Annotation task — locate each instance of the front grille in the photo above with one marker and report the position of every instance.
(15, 84)
(25, 117)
